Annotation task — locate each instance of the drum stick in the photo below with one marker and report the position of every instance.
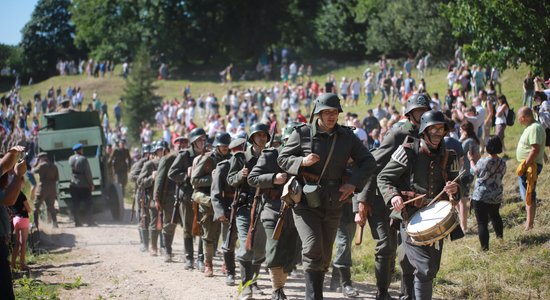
(413, 199)
(443, 191)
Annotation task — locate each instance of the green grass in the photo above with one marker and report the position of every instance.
(516, 268)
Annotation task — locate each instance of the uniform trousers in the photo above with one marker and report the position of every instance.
(257, 254)
(280, 253)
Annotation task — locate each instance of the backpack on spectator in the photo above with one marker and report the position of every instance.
(510, 117)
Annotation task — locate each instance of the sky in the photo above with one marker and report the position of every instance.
(14, 14)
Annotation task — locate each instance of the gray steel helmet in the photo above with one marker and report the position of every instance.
(430, 118)
(222, 139)
(195, 134)
(289, 129)
(421, 100)
(258, 127)
(145, 148)
(158, 145)
(327, 101)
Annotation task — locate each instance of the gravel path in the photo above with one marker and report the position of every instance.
(110, 265)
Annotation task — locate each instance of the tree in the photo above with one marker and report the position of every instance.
(139, 93)
(338, 30)
(405, 27)
(48, 37)
(504, 33)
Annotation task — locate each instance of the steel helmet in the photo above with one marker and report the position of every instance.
(258, 127)
(421, 100)
(430, 118)
(195, 134)
(289, 129)
(327, 101)
(222, 139)
(145, 148)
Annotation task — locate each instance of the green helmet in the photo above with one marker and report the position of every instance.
(222, 139)
(195, 134)
(145, 148)
(327, 101)
(289, 129)
(158, 145)
(430, 118)
(258, 127)
(421, 100)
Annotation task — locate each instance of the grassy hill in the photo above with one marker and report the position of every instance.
(516, 268)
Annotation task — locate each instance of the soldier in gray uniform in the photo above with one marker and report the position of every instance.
(370, 202)
(180, 172)
(147, 180)
(201, 179)
(222, 195)
(268, 176)
(165, 196)
(47, 188)
(420, 166)
(81, 186)
(143, 218)
(121, 162)
(241, 164)
(305, 155)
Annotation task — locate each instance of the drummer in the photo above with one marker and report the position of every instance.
(420, 166)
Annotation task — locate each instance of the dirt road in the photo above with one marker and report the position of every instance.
(108, 261)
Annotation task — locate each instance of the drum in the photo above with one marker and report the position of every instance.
(432, 223)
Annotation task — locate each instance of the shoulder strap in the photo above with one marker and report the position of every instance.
(328, 157)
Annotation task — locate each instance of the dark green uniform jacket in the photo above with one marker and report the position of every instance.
(262, 176)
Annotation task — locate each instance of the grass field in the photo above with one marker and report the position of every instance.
(516, 268)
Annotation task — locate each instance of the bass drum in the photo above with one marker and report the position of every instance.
(432, 223)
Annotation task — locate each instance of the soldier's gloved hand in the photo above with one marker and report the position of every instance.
(280, 178)
(244, 172)
(310, 160)
(397, 203)
(451, 187)
(20, 168)
(346, 190)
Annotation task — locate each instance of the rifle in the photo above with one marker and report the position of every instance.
(226, 247)
(254, 214)
(196, 228)
(133, 208)
(280, 221)
(175, 212)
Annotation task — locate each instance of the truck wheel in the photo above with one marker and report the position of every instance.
(116, 202)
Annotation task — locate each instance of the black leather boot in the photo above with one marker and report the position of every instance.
(347, 289)
(188, 249)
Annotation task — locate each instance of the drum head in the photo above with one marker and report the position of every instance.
(429, 216)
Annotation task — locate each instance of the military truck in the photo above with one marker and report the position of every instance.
(59, 132)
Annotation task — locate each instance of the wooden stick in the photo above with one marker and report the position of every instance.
(413, 199)
(359, 235)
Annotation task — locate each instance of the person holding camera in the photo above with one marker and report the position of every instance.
(310, 153)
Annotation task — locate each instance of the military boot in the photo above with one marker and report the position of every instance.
(422, 290)
(154, 236)
(347, 289)
(200, 257)
(36, 216)
(383, 272)
(145, 240)
(229, 259)
(278, 280)
(256, 272)
(246, 278)
(314, 285)
(168, 238)
(407, 287)
(188, 248)
(54, 221)
(208, 269)
(335, 279)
